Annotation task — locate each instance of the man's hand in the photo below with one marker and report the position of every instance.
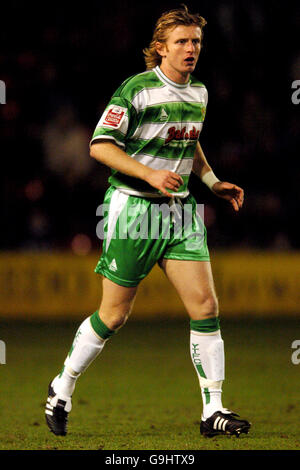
(114, 157)
(163, 180)
(232, 193)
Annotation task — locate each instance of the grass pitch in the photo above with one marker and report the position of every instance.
(142, 391)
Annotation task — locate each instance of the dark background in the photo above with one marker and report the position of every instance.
(61, 63)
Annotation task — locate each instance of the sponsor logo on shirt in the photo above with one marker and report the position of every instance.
(114, 116)
(182, 134)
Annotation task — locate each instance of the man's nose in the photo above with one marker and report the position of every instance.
(190, 46)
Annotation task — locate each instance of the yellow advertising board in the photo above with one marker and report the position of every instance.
(63, 285)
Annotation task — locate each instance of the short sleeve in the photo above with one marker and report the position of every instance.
(114, 122)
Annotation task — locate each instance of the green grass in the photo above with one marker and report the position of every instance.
(142, 391)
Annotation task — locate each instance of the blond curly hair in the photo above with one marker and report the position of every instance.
(169, 20)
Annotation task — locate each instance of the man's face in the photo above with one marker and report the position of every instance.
(180, 52)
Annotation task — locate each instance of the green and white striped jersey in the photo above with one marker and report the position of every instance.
(157, 122)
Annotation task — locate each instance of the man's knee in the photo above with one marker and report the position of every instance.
(208, 307)
(117, 321)
(116, 305)
(115, 318)
(211, 306)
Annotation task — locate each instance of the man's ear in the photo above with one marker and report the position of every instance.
(160, 48)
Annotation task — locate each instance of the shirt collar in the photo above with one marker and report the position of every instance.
(166, 80)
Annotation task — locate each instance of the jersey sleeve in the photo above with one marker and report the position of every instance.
(115, 122)
(206, 97)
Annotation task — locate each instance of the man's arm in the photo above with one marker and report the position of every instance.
(200, 165)
(231, 192)
(114, 157)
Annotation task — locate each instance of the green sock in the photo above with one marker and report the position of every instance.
(99, 327)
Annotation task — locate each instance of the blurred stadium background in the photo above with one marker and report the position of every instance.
(61, 62)
(60, 68)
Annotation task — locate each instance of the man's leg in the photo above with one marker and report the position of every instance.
(91, 336)
(194, 283)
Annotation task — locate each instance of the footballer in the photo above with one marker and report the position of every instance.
(149, 136)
